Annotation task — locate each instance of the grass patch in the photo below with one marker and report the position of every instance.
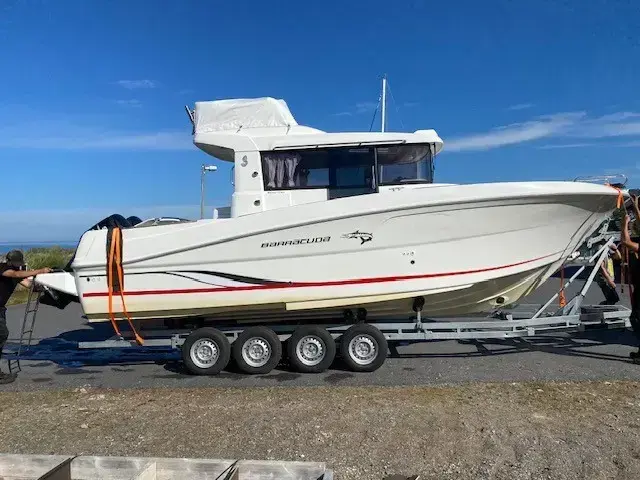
(54, 257)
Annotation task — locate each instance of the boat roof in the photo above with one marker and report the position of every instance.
(224, 127)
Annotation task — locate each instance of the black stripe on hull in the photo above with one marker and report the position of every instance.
(228, 276)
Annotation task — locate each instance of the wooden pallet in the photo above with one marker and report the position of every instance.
(60, 467)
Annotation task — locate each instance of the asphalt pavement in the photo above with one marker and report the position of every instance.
(56, 362)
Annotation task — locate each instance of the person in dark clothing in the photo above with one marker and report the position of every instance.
(12, 274)
(605, 277)
(634, 270)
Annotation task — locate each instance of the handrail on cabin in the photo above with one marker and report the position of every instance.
(604, 179)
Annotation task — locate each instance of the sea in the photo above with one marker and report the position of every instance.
(24, 246)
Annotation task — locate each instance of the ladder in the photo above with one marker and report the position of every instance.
(28, 326)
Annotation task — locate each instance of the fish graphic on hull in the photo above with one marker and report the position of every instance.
(362, 236)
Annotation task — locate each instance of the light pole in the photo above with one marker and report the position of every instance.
(203, 171)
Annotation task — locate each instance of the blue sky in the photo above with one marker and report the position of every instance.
(92, 92)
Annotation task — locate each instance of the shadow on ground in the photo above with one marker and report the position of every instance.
(575, 345)
(63, 351)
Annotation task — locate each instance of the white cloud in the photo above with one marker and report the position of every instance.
(364, 107)
(358, 109)
(129, 103)
(82, 132)
(611, 125)
(568, 145)
(567, 125)
(610, 130)
(520, 106)
(617, 117)
(103, 140)
(515, 133)
(133, 84)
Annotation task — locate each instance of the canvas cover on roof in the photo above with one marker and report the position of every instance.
(241, 113)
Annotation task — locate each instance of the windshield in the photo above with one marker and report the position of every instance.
(404, 164)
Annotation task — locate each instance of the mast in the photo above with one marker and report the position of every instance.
(384, 100)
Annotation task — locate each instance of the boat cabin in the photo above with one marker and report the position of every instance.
(278, 163)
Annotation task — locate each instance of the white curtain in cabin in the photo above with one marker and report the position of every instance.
(291, 162)
(279, 166)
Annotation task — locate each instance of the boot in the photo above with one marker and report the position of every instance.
(7, 378)
(635, 355)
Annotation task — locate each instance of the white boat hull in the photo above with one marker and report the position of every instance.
(464, 249)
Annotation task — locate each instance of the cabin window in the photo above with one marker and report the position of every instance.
(332, 168)
(401, 164)
(347, 167)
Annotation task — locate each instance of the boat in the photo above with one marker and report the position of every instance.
(333, 225)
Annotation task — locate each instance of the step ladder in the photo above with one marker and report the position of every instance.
(28, 326)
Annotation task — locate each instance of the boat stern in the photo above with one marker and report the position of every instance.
(59, 281)
(59, 289)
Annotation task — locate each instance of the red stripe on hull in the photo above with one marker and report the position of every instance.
(274, 286)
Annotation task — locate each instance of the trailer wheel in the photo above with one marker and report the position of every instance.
(311, 349)
(206, 351)
(363, 348)
(257, 350)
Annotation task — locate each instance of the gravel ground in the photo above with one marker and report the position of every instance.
(499, 431)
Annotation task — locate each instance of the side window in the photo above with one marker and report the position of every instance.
(333, 168)
(318, 177)
(353, 177)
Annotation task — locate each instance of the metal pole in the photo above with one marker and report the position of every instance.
(600, 255)
(384, 100)
(202, 192)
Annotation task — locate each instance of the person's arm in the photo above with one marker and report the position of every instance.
(636, 209)
(24, 274)
(26, 283)
(624, 235)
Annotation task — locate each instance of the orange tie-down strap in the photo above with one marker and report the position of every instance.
(562, 299)
(114, 269)
(620, 200)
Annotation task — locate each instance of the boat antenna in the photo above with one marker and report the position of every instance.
(191, 118)
(395, 104)
(384, 101)
(381, 99)
(374, 115)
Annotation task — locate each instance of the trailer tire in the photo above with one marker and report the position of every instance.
(363, 348)
(206, 351)
(257, 350)
(311, 349)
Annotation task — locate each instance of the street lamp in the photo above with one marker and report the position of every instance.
(203, 171)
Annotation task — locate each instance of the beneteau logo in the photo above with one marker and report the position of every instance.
(298, 241)
(362, 236)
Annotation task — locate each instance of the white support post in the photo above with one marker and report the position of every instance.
(577, 300)
(600, 254)
(202, 172)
